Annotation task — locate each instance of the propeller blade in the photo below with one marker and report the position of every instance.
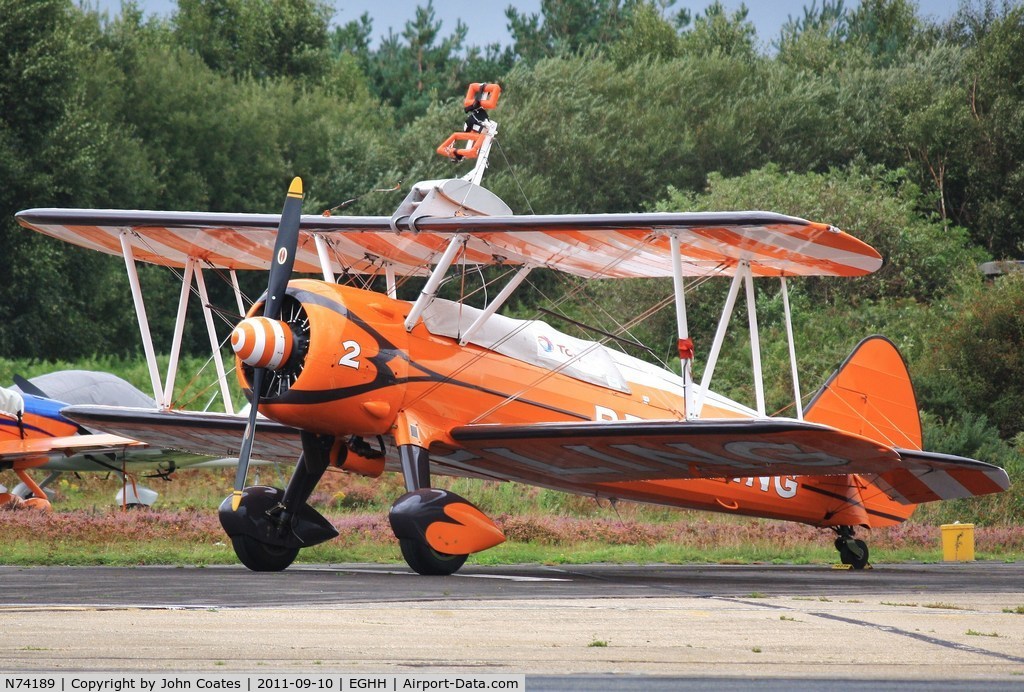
(247, 439)
(280, 271)
(284, 250)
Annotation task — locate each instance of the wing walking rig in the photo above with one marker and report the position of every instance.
(367, 381)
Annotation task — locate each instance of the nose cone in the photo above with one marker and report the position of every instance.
(262, 343)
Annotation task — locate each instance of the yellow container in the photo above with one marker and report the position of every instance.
(957, 542)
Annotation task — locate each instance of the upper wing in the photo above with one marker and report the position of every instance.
(210, 434)
(589, 245)
(581, 454)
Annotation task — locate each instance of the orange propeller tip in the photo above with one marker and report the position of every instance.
(295, 189)
(236, 500)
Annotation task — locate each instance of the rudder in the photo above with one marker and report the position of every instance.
(871, 395)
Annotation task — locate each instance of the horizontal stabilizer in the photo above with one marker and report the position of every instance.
(928, 476)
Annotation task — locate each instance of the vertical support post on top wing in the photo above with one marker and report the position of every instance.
(238, 293)
(430, 289)
(716, 345)
(477, 174)
(682, 325)
(140, 315)
(179, 329)
(389, 276)
(218, 359)
(326, 266)
(755, 343)
(792, 351)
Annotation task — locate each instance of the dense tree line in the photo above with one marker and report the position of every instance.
(908, 133)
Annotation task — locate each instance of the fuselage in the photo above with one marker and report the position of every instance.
(364, 374)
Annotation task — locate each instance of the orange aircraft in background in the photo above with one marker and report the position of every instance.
(428, 386)
(35, 436)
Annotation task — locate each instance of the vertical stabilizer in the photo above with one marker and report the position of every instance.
(871, 395)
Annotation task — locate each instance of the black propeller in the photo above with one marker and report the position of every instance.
(280, 272)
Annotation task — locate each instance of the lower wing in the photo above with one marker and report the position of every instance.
(208, 434)
(569, 455)
(585, 453)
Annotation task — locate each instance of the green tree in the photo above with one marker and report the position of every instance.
(58, 149)
(412, 69)
(647, 35)
(566, 27)
(259, 38)
(993, 203)
(717, 31)
(885, 29)
(975, 356)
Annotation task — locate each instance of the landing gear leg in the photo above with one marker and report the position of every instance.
(415, 467)
(271, 525)
(852, 551)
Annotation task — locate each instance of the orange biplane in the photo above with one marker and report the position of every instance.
(428, 386)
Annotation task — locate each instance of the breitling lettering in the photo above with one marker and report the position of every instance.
(785, 486)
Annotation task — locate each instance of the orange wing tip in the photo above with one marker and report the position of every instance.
(10, 501)
(295, 189)
(38, 504)
(236, 500)
(473, 532)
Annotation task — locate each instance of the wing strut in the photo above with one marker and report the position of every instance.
(792, 351)
(163, 392)
(140, 313)
(179, 328)
(218, 358)
(682, 326)
(755, 340)
(498, 301)
(430, 289)
(716, 345)
(326, 266)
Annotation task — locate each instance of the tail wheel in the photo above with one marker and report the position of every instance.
(262, 557)
(426, 561)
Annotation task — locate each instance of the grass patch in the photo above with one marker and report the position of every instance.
(1019, 610)
(976, 633)
(542, 526)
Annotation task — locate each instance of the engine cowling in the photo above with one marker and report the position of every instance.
(341, 363)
